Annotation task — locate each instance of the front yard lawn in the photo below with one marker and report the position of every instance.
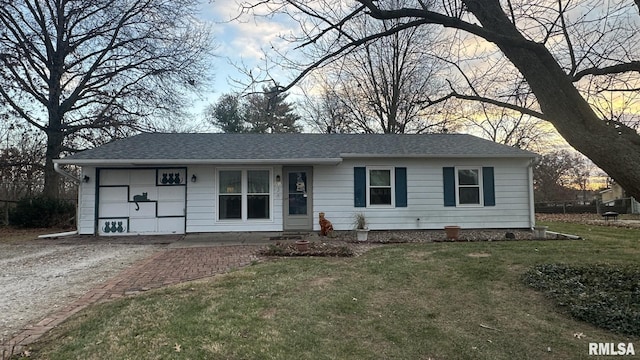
(405, 301)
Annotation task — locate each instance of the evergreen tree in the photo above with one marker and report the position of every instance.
(269, 112)
(266, 112)
(226, 114)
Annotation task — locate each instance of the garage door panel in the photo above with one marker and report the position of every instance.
(141, 201)
(171, 225)
(171, 208)
(114, 177)
(113, 194)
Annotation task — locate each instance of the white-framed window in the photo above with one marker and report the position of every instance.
(380, 185)
(244, 194)
(469, 186)
(258, 194)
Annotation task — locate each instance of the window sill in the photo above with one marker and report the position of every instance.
(470, 205)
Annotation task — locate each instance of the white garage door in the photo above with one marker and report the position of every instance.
(141, 201)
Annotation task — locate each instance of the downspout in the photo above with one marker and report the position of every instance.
(532, 206)
(59, 170)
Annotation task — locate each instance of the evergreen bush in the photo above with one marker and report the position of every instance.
(42, 212)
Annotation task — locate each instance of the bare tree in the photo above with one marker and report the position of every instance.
(556, 173)
(21, 161)
(87, 71)
(325, 112)
(561, 52)
(386, 86)
(510, 128)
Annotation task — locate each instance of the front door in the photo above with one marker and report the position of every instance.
(298, 209)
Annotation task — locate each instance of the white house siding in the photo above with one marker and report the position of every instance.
(202, 202)
(334, 195)
(87, 202)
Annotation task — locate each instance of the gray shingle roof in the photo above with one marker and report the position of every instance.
(192, 148)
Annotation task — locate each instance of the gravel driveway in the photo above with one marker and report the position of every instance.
(39, 277)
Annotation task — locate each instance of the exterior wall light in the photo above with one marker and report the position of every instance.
(194, 178)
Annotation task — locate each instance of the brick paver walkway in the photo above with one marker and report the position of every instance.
(166, 267)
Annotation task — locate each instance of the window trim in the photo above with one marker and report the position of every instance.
(244, 194)
(480, 186)
(392, 186)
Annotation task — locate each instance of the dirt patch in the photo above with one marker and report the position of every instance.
(478, 255)
(269, 313)
(419, 255)
(322, 281)
(39, 277)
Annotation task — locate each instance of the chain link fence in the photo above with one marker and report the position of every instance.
(621, 206)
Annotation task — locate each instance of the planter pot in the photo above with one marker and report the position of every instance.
(302, 245)
(540, 232)
(362, 234)
(452, 232)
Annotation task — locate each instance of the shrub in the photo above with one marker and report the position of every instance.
(41, 211)
(315, 249)
(607, 296)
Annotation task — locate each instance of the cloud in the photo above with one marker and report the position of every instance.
(244, 35)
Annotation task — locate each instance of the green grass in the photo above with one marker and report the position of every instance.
(408, 301)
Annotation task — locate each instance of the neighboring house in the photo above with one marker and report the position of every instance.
(616, 194)
(185, 183)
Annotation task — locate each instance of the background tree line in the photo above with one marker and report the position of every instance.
(76, 74)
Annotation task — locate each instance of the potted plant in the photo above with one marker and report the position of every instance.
(302, 245)
(452, 232)
(540, 232)
(360, 223)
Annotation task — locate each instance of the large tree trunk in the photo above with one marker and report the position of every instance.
(51, 177)
(614, 147)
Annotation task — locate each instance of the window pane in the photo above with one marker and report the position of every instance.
(230, 182)
(379, 178)
(258, 206)
(380, 196)
(297, 182)
(230, 207)
(469, 195)
(468, 177)
(258, 181)
(297, 204)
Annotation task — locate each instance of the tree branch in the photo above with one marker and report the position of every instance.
(608, 70)
(346, 47)
(431, 17)
(486, 100)
(503, 104)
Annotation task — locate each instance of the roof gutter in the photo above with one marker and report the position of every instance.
(166, 162)
(434, 156)
(56, 167)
